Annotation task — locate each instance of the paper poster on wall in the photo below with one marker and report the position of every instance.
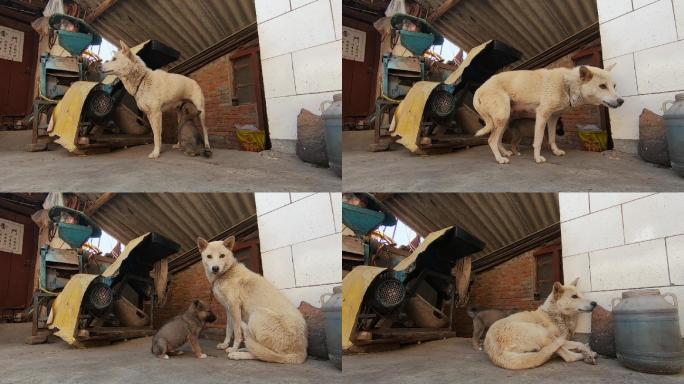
(11, 236)
(353, 44)
(11, 44)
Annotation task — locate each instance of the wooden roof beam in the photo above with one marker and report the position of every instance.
(442, 9)
(100, 9)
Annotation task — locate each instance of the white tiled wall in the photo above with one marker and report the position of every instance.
(301, 243)
(301, 59)
(645, 38)
(621, 241)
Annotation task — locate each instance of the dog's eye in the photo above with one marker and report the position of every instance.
(575, 297)
(222, 256)
(208, 256)
(603, 86)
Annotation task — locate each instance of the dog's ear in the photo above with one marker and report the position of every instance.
(201, 244)
(585, 74)
(229, 242)
(610, 67)
(557, 290)
(124, 47)
(574, 282)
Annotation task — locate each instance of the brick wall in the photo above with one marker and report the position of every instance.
(509, 285)
(216, 81)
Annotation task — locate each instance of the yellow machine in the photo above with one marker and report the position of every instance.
(404, 304)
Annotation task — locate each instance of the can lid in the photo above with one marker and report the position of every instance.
(640, 293)
(338, 97)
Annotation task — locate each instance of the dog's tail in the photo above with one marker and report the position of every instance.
(472, 312)
(266, 354)
(483, 131)
(525, 360)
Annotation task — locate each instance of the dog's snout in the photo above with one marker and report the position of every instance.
(620, 101)
(593, 304)
(215, 268)
(211, 318)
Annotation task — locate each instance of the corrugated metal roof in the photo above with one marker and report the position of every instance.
(187, 26)
(498, 219)
(181, 217)
(531, 26)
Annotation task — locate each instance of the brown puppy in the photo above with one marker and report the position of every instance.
(483, 319)
(181, 329)
(189, 137)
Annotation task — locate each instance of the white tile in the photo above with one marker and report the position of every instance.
(318, 69)
(641, 3)
(629, 266)
(577, 266)
(675, 257)
(337, 16)
(678, 6)
(302, 220)
(655, 216)
(336, 200)
(644, 28)
(294, 196)
(278, 76)
(599, 201)
(268, 9)
(591, 232)
(624, 121)
(660, 69)
(268, 201)
(299, 3)
(572, 205)
(278, 268)
(623, 74)
(283, 112)
(311, 295)
(318, 261)
(610, 9)
(301, 28)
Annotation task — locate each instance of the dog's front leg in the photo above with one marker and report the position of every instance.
(229, 332)
(194, 344)
(539, 125)
(155, 117)
(237, 329)
(551, 124)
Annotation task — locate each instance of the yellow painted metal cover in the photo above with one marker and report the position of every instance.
(67, 114)
(354, 287)
(409, 113)
(67, 305)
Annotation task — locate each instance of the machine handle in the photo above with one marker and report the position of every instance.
(674, 298)
(330, 103)
(324, 295)
(612, 302)
(666, 103)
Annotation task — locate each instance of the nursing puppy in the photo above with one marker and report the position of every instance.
(529, 339)
(273, 329)
(155, 91)
(189, 137)
(546, 93)
(181, 329)
(483, 319)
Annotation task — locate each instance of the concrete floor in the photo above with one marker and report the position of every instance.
(454, 361)
(131, 362)
(475, 170)
(129, 170)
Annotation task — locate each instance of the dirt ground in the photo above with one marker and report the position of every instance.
(455, 361)
(474, 170)
(131, 362)
(129, 170)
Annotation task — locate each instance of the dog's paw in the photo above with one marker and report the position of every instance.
(506, 153)
(559, 152)
(165, 357)
(540, 159)
(203, 356)
(503, 160)
(176, 146)
(517, 153)
(222, 346)
(233, 349)
(179, 353)
(480, 349)
(153, 155)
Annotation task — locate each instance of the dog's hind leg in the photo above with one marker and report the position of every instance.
(551, 124)
(504, 152)
(478, 330)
